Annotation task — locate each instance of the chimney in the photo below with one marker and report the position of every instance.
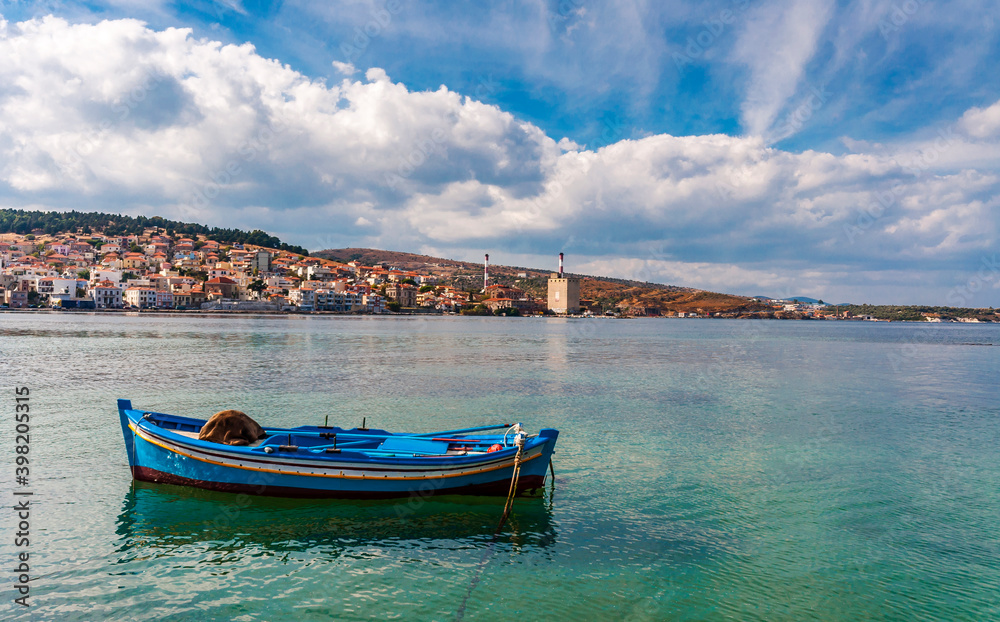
(486, 272)
(560, 265)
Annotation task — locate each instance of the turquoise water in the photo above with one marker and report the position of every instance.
(706, 470)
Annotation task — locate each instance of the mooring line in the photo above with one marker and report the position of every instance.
(488, 554)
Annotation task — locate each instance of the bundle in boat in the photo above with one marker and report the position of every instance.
(231, 427)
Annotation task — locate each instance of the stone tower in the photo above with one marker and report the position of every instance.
(564, 292)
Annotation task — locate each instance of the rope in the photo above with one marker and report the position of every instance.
(513, 483)
(488, 553)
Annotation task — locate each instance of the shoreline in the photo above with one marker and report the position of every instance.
(250, 313)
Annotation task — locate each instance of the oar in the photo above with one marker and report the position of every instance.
(337, 445)
(463, 430)
(383, 436)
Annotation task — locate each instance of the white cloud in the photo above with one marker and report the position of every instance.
(982, 123)
(778, 41)
(118, 117)
(347, 69)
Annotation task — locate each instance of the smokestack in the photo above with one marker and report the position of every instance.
(560, 265)
(486, 272)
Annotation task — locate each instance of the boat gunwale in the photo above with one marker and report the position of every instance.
(255, 454)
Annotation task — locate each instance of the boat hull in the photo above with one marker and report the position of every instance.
(162, 456)
(525, 484)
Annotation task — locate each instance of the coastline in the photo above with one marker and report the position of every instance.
(430, 314)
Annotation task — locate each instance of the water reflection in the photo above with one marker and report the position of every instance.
(157, 518)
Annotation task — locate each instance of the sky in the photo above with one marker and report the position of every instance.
(847, 151)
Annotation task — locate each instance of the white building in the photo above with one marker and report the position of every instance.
(304, 299)
(141, 297)
(107, 295)
(60, 288)
(99, 275)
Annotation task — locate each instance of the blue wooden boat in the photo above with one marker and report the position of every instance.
(321, 461)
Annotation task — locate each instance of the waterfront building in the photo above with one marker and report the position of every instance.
(224, 287)
(564, 291)
(107, 295)
(140, 297)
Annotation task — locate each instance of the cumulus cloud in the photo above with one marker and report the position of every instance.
(982, 123)
(117, 116)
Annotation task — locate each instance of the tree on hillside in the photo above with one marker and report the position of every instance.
(53, 223)
(257, 287)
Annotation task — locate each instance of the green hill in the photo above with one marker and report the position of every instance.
(54, 223)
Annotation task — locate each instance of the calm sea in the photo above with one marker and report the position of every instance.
(706, 470)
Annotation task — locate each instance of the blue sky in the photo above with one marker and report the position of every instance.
(841, 150)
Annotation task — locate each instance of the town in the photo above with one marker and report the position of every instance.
(158, 271)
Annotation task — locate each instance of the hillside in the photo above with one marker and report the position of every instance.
(605, 292)
(54, 223)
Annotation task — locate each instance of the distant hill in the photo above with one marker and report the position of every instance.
(804, 299)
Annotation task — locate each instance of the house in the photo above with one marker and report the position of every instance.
(373, 303)
(164, 299)
(133, 261)
(222, 286)
(140, 297)
(221, 269)
(59, 288)
(15, 298)
(107, 295)
(523, 306)
(404, 294)
(260, 261)
(427, 299)
(303, 298)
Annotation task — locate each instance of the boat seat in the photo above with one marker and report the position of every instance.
(417, 445)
